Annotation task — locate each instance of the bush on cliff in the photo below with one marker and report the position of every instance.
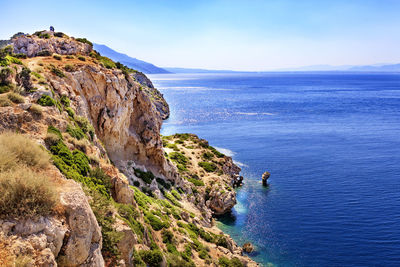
(225, 262)
(46, 101)
(208, 166)
(24, 192)
(18, 150)
(153, 258)
(85, 41)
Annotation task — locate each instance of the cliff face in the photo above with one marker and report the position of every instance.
(121, 202)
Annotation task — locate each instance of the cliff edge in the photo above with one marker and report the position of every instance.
(85, 131)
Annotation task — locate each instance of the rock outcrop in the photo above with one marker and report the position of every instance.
(33, 45)
(155, 96)
(73, 239)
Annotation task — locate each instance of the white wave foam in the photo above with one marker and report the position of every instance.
(240, 164)
(225, 151)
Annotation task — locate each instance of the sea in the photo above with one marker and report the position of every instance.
(331, 142)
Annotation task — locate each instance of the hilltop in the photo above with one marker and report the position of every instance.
(86, 179)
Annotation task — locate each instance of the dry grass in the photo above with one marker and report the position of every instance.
(5, 102)
(24, 193)
(17, 150)
(16, 98)
(36, 109)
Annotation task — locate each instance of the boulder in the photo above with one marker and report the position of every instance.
(248, 247)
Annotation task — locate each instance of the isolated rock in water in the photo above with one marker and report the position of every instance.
(248, 247)
(265, 177)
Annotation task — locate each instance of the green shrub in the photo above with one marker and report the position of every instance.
(58, 57)
(176, 194)
(69, 68)
(172, 199)
(167, 236)
(44, 53)
(108, 63)
(178, 158)
(99, 177)
(208, 166)
(65, 101)
(208, 155)
(57, 72)
(85, 125)
(14, 60)
(196, 182)
(20, 55)
(54, 130)
(16, 98)
(46, 101)
(75, 132)
(24, 78)
(222, 241)
(155, 222)
(163, 183)
(216, 152)
(4, 88)
(5, 75)
(81, 58)
(59, 34)
(172, 146)
(70, 57)
(153, 258)
(225, 262)
(147, 177)
(70, 112)
(84, 40)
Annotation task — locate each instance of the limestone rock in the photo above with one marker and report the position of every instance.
(33, 45)
(221, 201)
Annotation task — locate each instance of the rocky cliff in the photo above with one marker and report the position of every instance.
(118, 200)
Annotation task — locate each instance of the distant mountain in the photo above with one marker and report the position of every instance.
(366, 68)
(131, 62)
(378, 68)
(188, 70)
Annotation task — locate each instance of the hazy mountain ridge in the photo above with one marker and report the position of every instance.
(131, 62)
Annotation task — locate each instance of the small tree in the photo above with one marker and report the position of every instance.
(24, 78)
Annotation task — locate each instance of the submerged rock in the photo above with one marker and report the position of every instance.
(248, 247)
(265, 177)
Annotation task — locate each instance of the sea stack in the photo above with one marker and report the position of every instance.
(265, 177)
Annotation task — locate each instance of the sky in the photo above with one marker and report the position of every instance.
(254, 35)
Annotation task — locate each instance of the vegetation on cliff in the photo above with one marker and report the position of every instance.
(146, 218)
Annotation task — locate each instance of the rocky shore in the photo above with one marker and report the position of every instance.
(124, 195)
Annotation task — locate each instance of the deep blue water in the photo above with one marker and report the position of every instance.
(332, 145)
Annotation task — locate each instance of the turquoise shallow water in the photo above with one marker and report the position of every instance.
(332, 145)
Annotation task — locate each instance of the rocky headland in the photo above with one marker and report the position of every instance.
(80, 144)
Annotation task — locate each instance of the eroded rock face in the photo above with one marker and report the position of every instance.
(221, 201)
(33, 45)
(122, 114)
(70, 240)
(83, 245)
(157, 98)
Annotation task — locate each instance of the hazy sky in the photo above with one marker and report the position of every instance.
(222, 34)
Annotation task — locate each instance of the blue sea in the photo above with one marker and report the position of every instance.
(331, 142)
